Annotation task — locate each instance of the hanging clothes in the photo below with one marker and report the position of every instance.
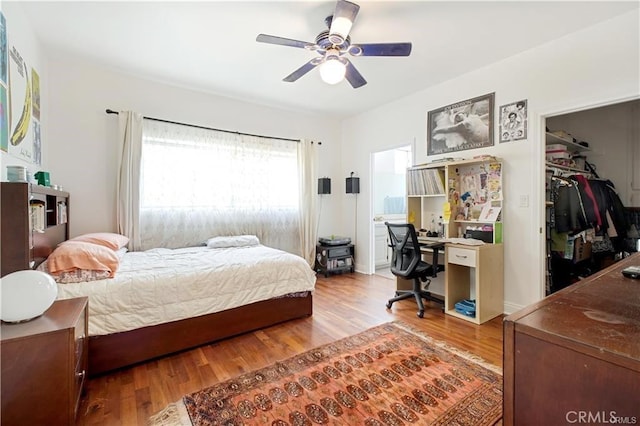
(580, 203)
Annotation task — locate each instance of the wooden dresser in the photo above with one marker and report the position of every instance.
(44, 364)
(574, 357)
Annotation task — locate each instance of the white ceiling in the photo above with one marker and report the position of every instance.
(211, 47)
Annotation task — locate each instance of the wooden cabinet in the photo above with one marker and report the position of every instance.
(44, 364)
(474, 272)
(34, 219)
(576, 352)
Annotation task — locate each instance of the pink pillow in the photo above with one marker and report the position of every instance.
(74, 255)
(107, 239)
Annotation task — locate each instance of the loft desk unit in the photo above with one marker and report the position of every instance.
(474, 272)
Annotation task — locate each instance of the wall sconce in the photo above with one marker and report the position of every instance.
(353, 184)
(324, 185)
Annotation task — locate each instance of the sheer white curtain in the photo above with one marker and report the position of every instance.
(198, 183)
(128, 184)
(307, 160)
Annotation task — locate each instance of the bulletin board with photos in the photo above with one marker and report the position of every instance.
(475, 187)
(475, 198)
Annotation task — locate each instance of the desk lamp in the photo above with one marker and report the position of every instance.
(25, 295)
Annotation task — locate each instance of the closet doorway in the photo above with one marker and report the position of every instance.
(603, 144)
(389, 201)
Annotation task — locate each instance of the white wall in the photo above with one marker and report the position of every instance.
(20, 35)
(83, 137)
(588, 67)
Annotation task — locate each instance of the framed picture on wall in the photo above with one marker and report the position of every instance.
(513, 121)
(460, 126)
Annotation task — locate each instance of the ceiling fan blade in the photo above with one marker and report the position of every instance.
(380, 49)
(302, 70)
(342, 20)
(265, 38)
(353, 76)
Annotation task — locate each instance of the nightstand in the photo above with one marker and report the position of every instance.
(44, 364)
(335, 259)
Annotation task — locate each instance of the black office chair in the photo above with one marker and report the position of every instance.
(406, 262)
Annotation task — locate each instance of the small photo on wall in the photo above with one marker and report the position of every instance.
(513, 121)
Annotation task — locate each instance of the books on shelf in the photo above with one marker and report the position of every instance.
(37, 216)
(425, 182)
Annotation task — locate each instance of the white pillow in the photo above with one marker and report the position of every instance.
(233, 241)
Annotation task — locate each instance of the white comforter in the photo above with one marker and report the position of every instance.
(162, 285)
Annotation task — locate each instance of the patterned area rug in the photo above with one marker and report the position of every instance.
(391, 374)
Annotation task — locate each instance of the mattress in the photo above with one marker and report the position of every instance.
(162, 285)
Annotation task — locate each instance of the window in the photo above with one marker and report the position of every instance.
(198, 183)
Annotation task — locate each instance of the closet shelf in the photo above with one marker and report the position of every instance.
(567, 168)
(575, 147)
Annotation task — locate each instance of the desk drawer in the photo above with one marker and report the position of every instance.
(461, 256)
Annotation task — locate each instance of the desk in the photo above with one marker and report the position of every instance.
(576, 351)
(474, 272)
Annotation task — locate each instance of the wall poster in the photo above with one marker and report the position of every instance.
(4, 105)
(4, 120)
(21, 101)
(513, 121)
(3, 50)
(464, 125)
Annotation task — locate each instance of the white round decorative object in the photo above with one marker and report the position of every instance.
(25, 295)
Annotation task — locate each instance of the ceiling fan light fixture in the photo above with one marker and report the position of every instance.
(332, 70)
(340, 28)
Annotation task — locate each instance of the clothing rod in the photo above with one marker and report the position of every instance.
(110, 111)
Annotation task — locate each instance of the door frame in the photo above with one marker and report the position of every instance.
(540, 229)
(372, 170)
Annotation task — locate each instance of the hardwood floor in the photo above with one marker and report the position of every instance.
(343, 305)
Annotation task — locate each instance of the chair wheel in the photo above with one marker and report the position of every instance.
(420, 314)
(388, 305)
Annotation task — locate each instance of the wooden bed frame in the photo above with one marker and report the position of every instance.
(112, 351)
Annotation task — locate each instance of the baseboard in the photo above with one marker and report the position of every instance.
(510, 308)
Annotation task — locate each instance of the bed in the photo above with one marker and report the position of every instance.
(163, 301)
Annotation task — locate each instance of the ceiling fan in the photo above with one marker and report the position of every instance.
(333, 45)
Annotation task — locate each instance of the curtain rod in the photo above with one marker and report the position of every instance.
(110, 111)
